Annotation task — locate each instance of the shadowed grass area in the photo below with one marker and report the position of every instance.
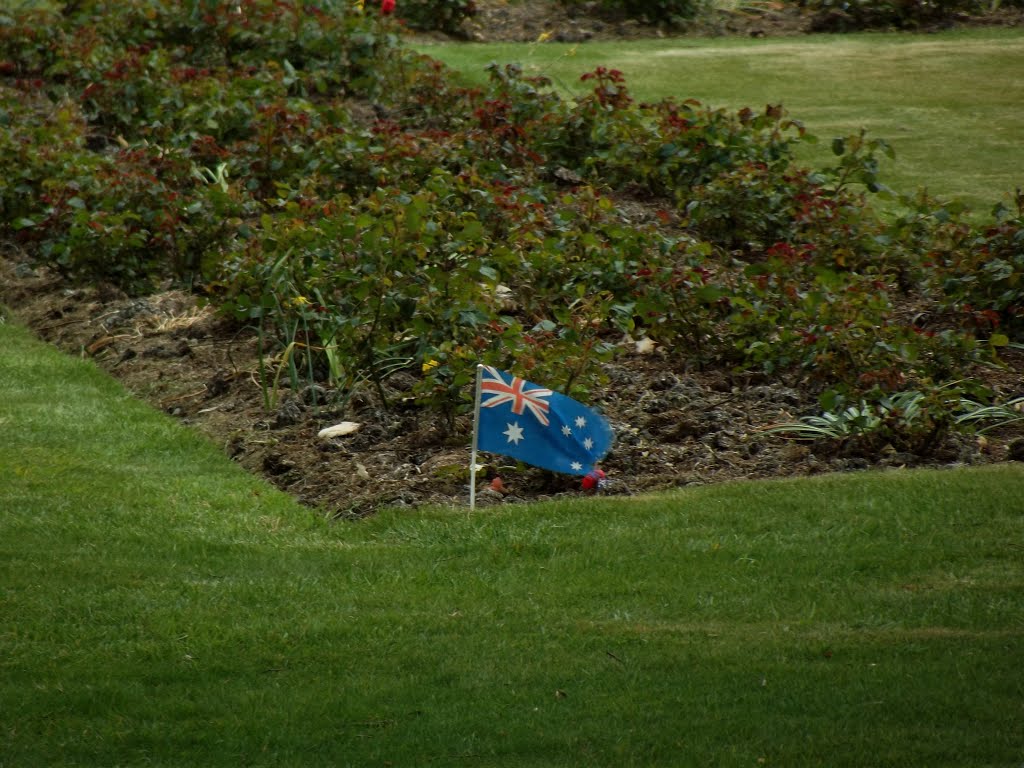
(951, 104)
(159, 607)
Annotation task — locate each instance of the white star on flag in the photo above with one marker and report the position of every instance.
(581, 422)
(576, 466)
(567, 430)
(588, 443)
(514, 433)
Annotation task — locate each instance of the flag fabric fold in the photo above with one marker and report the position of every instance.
(536, 425)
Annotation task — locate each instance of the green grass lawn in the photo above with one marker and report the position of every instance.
(159, 607)
(951, 104)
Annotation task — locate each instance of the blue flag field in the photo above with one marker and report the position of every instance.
(536, 425)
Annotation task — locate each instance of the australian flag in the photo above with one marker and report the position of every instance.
(538, 426)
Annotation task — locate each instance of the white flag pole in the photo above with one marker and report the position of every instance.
(476, 435)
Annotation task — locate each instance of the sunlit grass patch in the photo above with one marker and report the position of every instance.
(949, 103)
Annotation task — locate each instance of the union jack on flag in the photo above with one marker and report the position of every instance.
(499, 392)
(537, 425)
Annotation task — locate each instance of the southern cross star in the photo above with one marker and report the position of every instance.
(514, 433)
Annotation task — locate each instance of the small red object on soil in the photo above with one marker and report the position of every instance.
(594, 479)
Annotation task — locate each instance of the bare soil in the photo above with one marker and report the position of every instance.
(529, 20)
(674, 426)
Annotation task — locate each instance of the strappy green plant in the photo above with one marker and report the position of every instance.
(862, 418)
(997, 414)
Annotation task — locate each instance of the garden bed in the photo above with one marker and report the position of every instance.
(674, 427)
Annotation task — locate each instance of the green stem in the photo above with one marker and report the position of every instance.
(263, 368)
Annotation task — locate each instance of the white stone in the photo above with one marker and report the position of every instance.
(339, 430)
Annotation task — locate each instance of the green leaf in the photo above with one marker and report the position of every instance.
(473, 231)
(472, 317)
(709, 294)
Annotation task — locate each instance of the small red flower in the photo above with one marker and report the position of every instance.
(387, 7)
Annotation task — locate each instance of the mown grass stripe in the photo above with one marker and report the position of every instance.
(950, 103)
